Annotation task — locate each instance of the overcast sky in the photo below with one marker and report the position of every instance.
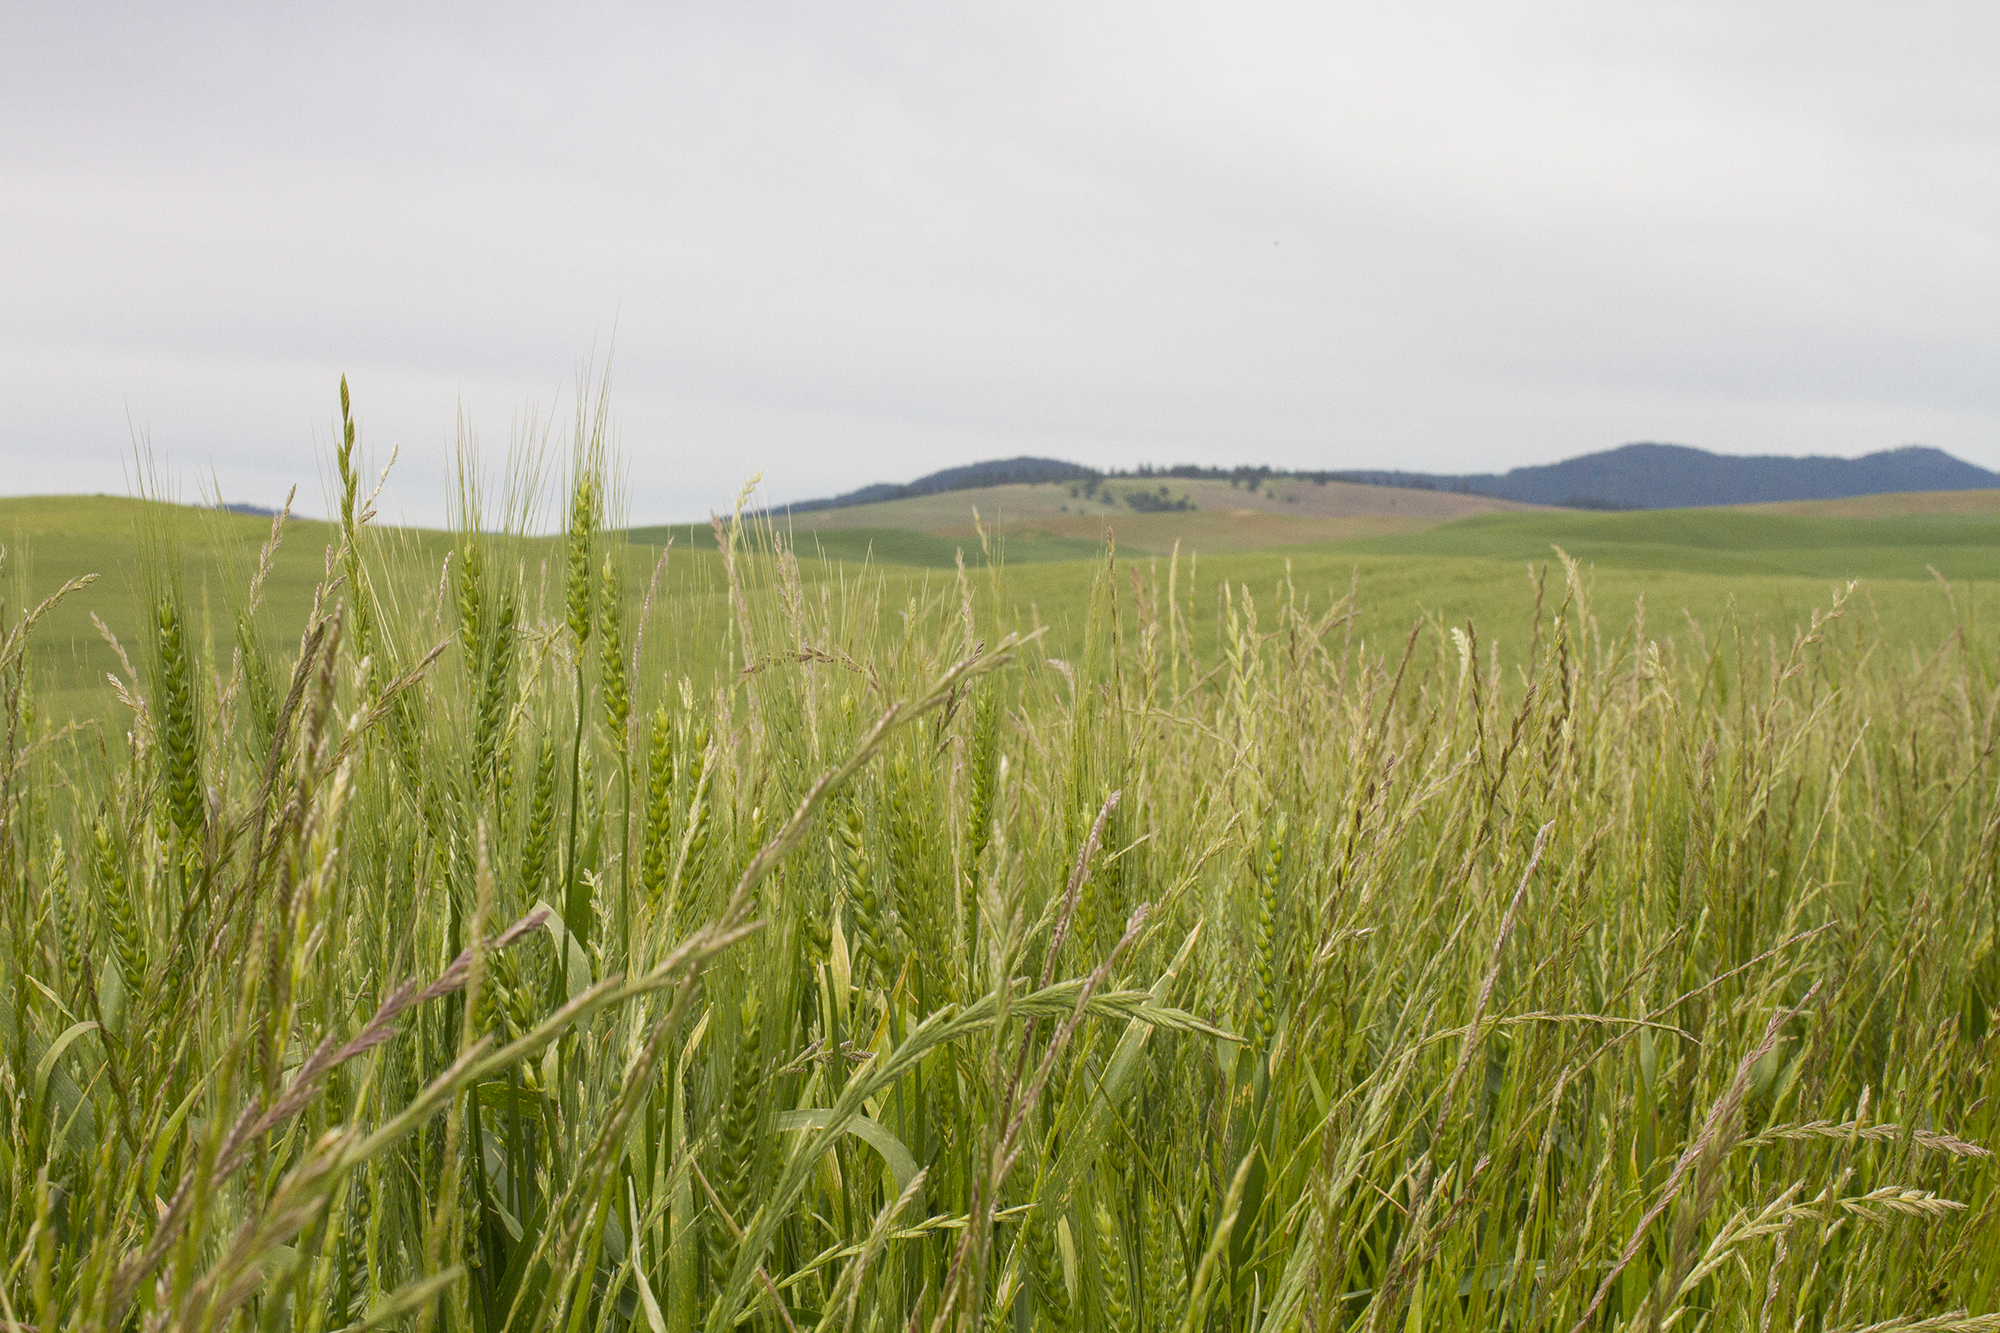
(854, 242)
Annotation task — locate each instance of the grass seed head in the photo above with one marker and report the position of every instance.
(179, 708)
(614, 670)
(582, 532)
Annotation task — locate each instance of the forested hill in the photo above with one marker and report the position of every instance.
(971, 477)
(1634, 476)
(1673, 476)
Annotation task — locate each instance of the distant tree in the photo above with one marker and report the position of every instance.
(1152, 502)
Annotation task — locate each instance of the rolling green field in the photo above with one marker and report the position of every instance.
(456, 931)
(880, 545)
(1726, 542)
(1759, 569)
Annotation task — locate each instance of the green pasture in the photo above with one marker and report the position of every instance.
(1680, 572)
(1723, 542)
(880, 546)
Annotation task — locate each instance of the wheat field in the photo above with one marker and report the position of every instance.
(476, 963)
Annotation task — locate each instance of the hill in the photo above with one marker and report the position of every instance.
(1723, 541)
(1408, 552)
(1633, 476)
(973, 476)
(1071, 520)
(1900, 505)
(1673, 476)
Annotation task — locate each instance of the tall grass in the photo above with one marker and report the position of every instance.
(465, 968)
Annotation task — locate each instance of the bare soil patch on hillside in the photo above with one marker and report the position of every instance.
(1219, 515)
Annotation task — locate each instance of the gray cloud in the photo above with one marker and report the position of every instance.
(843, 243)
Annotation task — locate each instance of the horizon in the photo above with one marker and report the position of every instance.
(1163, 471)
(831, 248)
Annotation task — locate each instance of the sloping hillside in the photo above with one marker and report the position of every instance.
(1148, 514)
(1900, 505)
(974, 476)
(1725, 541)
